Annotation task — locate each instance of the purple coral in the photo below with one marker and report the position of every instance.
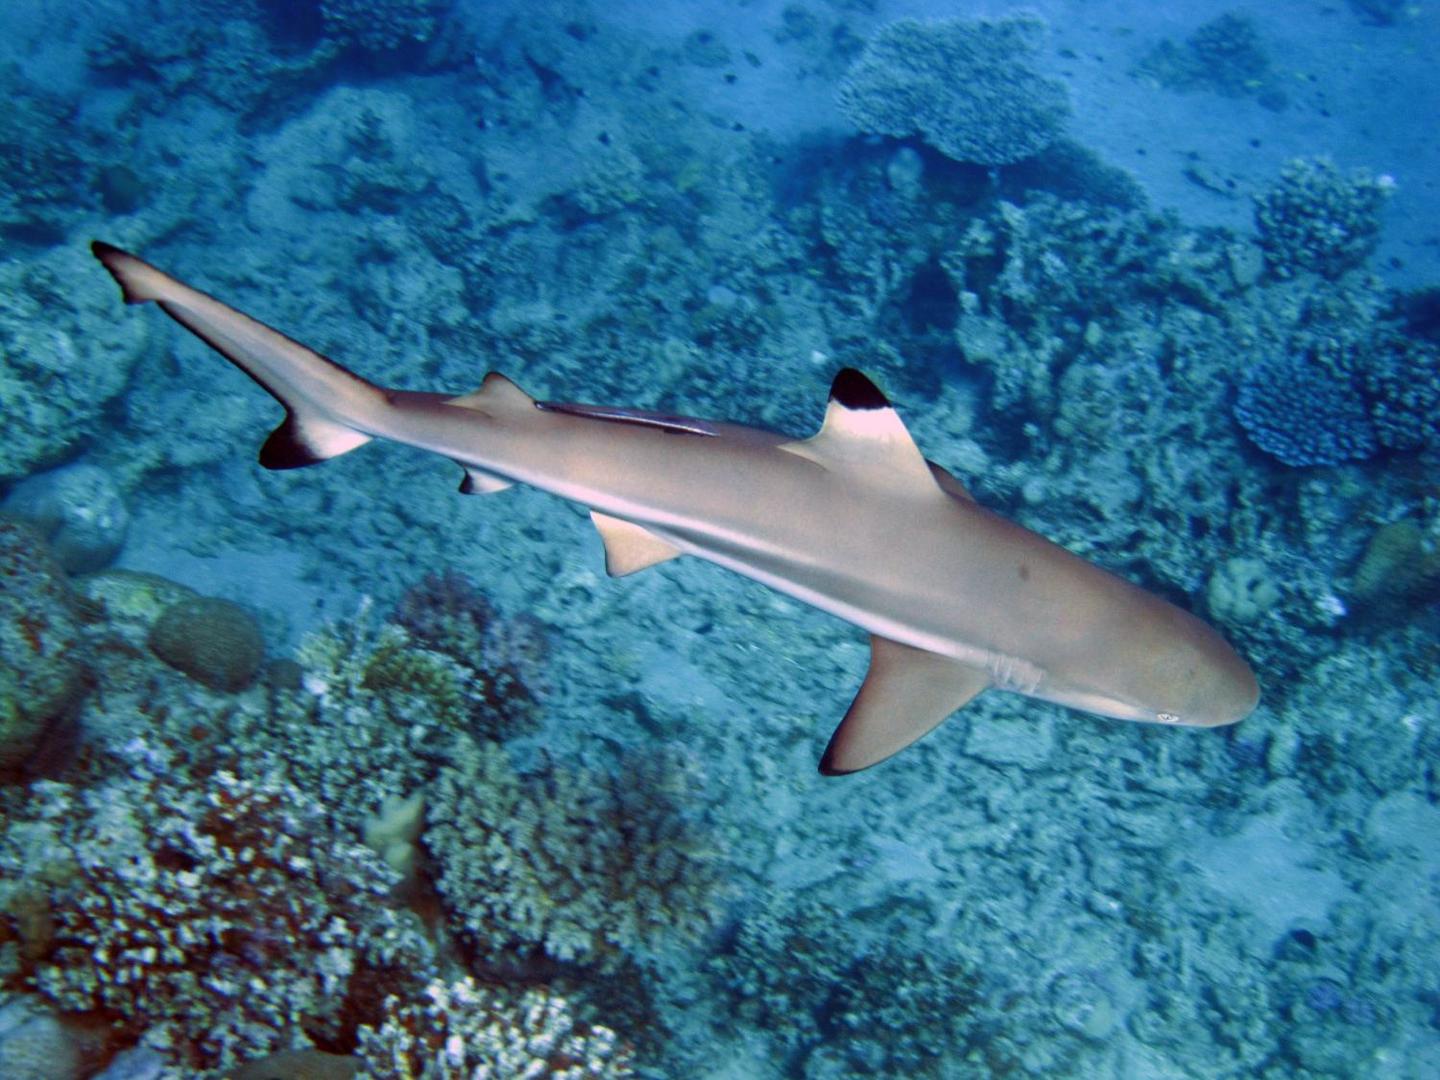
(448, 613)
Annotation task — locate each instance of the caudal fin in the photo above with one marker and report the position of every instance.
(326, 406)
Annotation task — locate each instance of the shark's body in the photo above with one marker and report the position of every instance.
(854, 521)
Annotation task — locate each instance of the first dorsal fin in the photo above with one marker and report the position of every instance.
(906, 693)
(862, 432)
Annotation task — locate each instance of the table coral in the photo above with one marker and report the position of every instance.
(969, 88)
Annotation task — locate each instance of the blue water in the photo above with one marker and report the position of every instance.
(1160, 285)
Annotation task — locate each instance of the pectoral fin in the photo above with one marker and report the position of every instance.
(906, 693)
(628, 547)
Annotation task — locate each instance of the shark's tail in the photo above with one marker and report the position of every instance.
(327, 409)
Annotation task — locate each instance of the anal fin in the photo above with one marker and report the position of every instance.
(906, 693)
(479, 482)
(629, 547)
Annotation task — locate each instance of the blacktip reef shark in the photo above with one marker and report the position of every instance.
(853, 520)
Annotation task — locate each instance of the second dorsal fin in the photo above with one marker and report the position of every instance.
(495, 392)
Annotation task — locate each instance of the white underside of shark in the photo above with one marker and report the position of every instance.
(853, 520)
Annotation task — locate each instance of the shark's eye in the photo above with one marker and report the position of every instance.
(1167, 718)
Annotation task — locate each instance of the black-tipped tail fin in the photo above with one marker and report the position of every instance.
(326, 406)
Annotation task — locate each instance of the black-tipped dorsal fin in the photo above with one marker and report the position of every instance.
(496, 392)
(863, 433)
(906, 693)
(629, 547)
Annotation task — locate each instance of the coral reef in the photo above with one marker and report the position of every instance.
(215, 641)
(795, 971)
(63, 360)
(1320, 219)
(43, 675)
(969, 88)
(1302, 413)
(571, 864)
(1399, 570)
(383, 27)
(1027, 893)
(462, 1031)
(1225, 55)
(78, 510)
(217, 920)
(228, 914)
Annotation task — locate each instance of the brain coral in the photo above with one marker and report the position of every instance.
(217, 642)
(969, 88)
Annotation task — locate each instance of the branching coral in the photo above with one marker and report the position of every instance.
(969, 88)
(1318, 218)
(468, 1032)
(569, 864)
(220, 922)
(501, 658)
(1301, 413)
(1329, 401)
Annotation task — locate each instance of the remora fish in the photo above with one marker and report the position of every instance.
(853, 520)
